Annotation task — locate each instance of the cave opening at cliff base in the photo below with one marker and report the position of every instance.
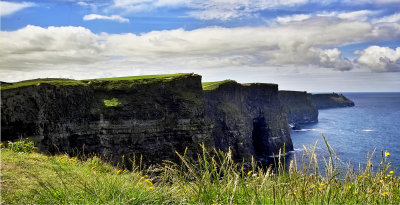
(260, 136)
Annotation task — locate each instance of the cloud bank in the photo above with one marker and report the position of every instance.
(380, 59)
(310, 43)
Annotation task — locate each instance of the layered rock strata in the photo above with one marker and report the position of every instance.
(148, 117)
(298, 107)
(247, 119)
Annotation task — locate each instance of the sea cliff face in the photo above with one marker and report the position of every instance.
(298, 107)
(151, 117)
(247, 119)
(148, 117)
(332, 100)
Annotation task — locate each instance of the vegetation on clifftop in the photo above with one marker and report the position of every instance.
(214, 85)
(213, 179)
(37, 82)
(70, 82)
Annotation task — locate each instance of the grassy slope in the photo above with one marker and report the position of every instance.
(141, 77)
(213, 85)
(51, 81)
(67, 82)
(36, 178)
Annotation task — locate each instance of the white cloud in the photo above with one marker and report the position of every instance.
(312, 42)
(376, 2)
(33, 47)
(380, 59)
(391, 18)
(361, 15)
(297, 17)
(116, 18)
(8, 8)
(207, 9)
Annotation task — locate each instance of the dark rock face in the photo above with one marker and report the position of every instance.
(333, 100)
(153, 118)
(248, 119)
(298, 107)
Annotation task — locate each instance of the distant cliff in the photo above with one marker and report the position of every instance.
(332, 100)
(247, 118)
(150, 117)
(298, 107)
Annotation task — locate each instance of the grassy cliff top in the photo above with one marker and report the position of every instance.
(71, 82)
(143, 77)
(51, 81)
(214, 85)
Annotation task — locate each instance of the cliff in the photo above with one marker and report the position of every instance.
(248, 119)
(333, 100)
(298, 107)
(151, 117)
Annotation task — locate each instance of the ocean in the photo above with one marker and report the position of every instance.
(353, 132)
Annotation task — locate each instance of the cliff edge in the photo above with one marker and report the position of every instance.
(298, 107)
(332, 100)
(247, 119)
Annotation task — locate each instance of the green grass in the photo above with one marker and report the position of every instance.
(71, 82)
(211, 179)
(37, 82)
(114, 102)
(214, 85)
(141, 77)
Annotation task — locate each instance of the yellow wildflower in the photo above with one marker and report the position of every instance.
(387, 154)
(294, 193)
(151, 187)
(349, 187)
(322, 184)
(391, 172)
(385, 193)
(94, 167)
(248, 173)
(380, 180)
(119, 172)
(140, 183)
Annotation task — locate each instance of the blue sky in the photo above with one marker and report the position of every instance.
(324, 45)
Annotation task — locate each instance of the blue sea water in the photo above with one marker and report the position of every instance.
(372, 124)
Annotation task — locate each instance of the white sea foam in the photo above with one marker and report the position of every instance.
(305, 130)
(282, 155)
(368, 130)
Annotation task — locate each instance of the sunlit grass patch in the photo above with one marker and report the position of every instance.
(114, 102)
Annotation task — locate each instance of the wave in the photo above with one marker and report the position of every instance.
(368, 130)
(282, 155)
(305, 130)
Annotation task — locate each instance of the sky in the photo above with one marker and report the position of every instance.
(306, 45)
